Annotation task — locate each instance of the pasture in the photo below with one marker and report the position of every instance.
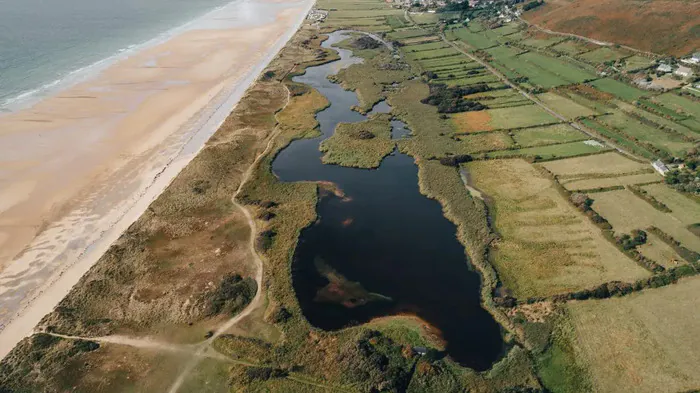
(546, 246)
(618, 89)
(625, 211)
(602, 55)
(612, 164)
(564, 106)
(502, 118)
(549, 152)
(671, 143)
(646, 342)
(547, 135)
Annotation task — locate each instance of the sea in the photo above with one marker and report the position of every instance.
(46, 45)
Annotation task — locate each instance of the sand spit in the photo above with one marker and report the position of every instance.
(79, 167)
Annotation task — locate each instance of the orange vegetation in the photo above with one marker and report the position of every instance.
(472, 121)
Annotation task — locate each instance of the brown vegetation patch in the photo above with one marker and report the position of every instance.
(472, 121)
(661, 26)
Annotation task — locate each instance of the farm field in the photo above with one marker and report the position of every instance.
(670, 143)
(478, 40)
(618, 138)
(601, 55)
(547, 245)
(679, 104)
(503, 118)
(542, 42)
(618, 89)
(642, 343)
(625, 211)
(660, 252)
(564, 106)
(548, 152)
(683, 208)
(662, 121)
(612, 164)
(547, 135)
(485, 141)
(636, 62)
(570, 47)
(592, 183)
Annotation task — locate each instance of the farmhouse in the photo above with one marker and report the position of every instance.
(684, 72)
(660, 167)
(664, 68)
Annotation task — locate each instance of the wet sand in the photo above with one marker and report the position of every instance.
(79, 167)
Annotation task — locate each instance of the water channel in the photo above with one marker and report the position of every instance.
(392, 246)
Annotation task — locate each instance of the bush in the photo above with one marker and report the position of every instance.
(366, 42)
(455, 160)
(265, 239)
(233, 294)
(451, 99)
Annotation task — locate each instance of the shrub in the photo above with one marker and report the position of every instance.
(233, 294)
(455, 160)
(451, 99)
(265, 239)
(366, 42)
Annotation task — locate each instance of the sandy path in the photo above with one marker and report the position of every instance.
(257, 301)
(80, 167)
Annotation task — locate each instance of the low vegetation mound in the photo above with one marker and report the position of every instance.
(366, 42)
(451, 99)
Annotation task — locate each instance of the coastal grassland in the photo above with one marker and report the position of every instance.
(502, 118)
(432, 54)
(409, 33)
(44, 363)
(359, 145)
(644, 342)
(547, 135)
(618, 89)
(564, 106)
(564, 69)
(541, 43)
(626, 211)
(409, 48)
(162, 275)
(549, 152)
(546, 246)
(373, 78)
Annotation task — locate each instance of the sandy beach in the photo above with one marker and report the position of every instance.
(78, 167)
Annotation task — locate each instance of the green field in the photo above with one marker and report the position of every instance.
(636, 62)
(547, 135)
(475, 40)
(670, 143)
(617, 138)
(564, 106)
(679, 104)
(618, 89)
(569, 48)
(503, 118)
(541, 43)
(553, 151)
(601, 55)
(424, 47)
(432, 54)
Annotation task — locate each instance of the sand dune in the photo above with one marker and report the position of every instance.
(79, 167)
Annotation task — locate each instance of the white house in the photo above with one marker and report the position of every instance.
(684, 72)
(664, 68)
(660, 167)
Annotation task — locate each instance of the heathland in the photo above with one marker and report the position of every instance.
(586, 255)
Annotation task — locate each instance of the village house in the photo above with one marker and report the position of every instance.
(664, 68)
(660, 167)
(684, 72)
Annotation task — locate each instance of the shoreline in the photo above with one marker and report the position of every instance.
(215, 104)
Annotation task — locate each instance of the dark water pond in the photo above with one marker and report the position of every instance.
(383, 248)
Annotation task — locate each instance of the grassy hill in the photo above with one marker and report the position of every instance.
(661, 26)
